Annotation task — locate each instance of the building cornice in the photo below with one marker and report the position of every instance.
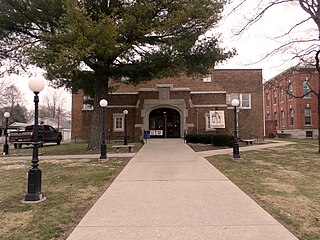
(124, 93)
(209, 105)
(209, 92)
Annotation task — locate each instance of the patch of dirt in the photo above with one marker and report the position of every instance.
(80, 214)
(291, 173)
(200, 147)
(14, 220)
(278, 186)
(300, 209)
(263, 163)
(11, 167)
(88, 192)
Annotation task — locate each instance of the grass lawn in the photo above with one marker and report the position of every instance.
(285, 181)
(65, 149)
(70, 186)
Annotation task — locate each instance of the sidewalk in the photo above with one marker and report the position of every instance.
(169, 192)
(271, 144)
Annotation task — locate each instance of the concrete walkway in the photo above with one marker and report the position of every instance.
(169, 192)
(270, 144)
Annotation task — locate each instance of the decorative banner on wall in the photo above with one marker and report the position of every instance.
(217, 119)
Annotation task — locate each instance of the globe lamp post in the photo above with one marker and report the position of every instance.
(236, 153)
(103, 103)
(125, 141)
(34, 194)
(6, 146)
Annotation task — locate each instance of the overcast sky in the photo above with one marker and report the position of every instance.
(251, 46)
(260, 39)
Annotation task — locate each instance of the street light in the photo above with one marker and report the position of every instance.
(36, 84)
(6, 146)
(125, 141)
(236, 153)
(165, 124)
(103, 103)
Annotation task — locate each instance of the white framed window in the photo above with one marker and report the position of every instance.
(268, 116)
(307, 116)
(291, 117)
(281, 94)
(87, 103)
(306, 89)
(274, 96)
(207, 78)
(290, 90)
(244, 98)
(118, 122)
(282, 119)
(268, 99)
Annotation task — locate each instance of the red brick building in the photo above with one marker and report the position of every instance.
(171, 107)
(290, 108)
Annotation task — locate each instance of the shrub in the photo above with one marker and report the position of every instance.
(222, 140)
(198, 138)
(216, 140)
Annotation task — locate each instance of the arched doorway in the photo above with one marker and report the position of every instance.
(164, 123)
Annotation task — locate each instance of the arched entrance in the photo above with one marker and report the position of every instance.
(164, 123)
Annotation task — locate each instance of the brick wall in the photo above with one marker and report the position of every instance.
(197, 96)
(298, 103)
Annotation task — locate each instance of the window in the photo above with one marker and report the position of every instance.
(268, 116)
(267, 99)
(87, 103)
(290, 90)
(307, 116)
(306, 89)
(244, 98)
(282, 119)
(207, 78)
(291, 117)
(309, 134)
(281, 94)
(118, 122)
(275, 116)
(51, 129)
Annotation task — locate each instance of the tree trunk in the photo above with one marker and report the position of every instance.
(319, 117)
(100, 92)
(318, 95)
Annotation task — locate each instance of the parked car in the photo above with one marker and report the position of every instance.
(46, 133)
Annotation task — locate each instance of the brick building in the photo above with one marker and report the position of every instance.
(290, 108)
(170, 107)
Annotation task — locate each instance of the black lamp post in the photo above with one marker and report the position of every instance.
(34, 194)
(236, 153)
(6, 146)
(165, 124)
(103, 103)
(125, 141)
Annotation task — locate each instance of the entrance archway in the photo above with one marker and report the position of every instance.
(164, 123)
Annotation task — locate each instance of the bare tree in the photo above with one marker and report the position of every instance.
(11, 100)
(54, 104)
(4, 84)
(12, 96)
(305, 47)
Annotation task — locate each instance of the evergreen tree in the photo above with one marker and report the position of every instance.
(83, 43)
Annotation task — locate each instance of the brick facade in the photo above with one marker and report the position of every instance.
(188, 98)
(286, 105)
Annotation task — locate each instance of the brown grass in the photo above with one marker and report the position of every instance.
(283, 180)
